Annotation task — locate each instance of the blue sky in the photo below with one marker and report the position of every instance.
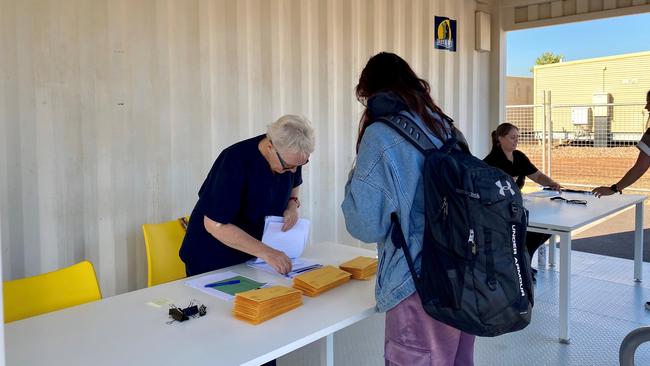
(577, 41)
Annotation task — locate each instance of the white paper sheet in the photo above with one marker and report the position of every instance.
(291, 242)
(542, 194)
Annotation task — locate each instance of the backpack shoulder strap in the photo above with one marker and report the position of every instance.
(409, 130)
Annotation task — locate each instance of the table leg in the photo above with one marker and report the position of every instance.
(638, 242)
(327, 351)
(551, 251)
(565, 285)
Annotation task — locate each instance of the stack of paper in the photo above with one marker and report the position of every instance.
(291, 242)
(361, 268)
(314, 283)
(257, 306)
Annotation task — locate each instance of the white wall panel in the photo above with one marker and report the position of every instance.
(112, 112)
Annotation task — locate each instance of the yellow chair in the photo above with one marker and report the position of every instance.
(31, 296)
(162, 242)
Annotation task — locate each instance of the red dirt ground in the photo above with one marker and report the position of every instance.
(588, 165)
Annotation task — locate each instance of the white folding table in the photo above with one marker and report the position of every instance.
(561, 218)
(124, 330)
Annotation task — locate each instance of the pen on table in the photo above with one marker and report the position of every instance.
(304, 269)
(222, 283)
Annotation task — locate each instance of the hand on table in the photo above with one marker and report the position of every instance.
(278, 260)
(556, 187)
(602, 191)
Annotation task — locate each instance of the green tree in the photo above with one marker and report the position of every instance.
(546, 58)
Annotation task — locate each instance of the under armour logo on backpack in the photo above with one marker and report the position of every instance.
(502, 188)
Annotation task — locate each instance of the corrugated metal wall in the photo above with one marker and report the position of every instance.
(111, 112)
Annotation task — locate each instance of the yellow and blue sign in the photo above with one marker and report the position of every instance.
(445, 34)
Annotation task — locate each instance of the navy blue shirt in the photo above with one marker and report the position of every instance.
(241, 189)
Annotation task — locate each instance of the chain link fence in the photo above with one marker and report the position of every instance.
(584, 145)
(531, 141)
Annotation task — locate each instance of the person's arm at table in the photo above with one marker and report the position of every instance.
(636, 171)
(236, 238)
(544, 180)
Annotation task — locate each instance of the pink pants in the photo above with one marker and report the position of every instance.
(414, 338)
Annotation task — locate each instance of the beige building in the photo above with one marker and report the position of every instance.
(519, 90)
(575, 86)
(519, 97)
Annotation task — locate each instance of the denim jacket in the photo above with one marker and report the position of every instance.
(386, 178)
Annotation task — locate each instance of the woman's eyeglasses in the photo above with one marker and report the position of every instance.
(284, 164)
(577, 202)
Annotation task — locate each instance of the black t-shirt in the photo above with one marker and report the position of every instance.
(518, 168)
(241, 189)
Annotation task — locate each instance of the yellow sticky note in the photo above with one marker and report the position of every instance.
(156, 303)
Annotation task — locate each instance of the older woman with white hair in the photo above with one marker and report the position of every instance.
(250, 180)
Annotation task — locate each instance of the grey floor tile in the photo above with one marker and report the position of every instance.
(605, 305)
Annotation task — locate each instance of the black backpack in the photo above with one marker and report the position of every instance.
(475, 269)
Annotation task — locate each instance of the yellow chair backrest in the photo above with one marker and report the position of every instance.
(70, 286)
(162, 242)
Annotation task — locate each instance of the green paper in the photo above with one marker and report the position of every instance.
(245, 284)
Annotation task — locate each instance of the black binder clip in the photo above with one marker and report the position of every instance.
(178, 314)
(191, 311)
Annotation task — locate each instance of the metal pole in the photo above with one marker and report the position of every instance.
(2, 323)
(638, 242)
(544, 132)
(549, 122)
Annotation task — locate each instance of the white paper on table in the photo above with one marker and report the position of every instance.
(543, 194)
(292, 242)
(200, 282)
(297, 266)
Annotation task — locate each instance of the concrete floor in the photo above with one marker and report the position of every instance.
(605, 305)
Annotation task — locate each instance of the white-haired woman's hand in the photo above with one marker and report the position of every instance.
(291, 215)
(278, 260)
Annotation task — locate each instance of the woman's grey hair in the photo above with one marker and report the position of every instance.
(292, 133)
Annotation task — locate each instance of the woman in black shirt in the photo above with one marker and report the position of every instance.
(249, 180)
(505, 156)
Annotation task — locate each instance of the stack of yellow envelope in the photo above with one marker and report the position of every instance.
(314, 283)
(256, 306)
(361, 268)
